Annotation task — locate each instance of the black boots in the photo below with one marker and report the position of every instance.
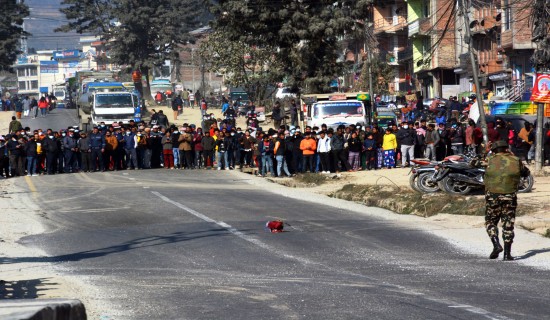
(507, 254)
(497, 248)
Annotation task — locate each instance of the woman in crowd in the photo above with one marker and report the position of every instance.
(389, 145)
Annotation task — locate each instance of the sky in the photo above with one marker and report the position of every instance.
(44, 18)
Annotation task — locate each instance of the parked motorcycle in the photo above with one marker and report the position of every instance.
(418, 168)
(462, 178)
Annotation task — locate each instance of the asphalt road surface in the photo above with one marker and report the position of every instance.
(169, 244)
(56, 119)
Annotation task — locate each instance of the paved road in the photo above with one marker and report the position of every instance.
(165, 244)
(57, 119)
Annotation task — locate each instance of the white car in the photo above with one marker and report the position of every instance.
(284, 93)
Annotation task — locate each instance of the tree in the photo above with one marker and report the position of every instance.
(11, 31)
(382, 75)
(139, 33)
(250, 67)
(307, 33)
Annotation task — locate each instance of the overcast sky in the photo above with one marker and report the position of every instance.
(44, 18)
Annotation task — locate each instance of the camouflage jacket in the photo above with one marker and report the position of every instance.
(502, 174)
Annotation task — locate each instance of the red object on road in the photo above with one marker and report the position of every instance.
(275, 226)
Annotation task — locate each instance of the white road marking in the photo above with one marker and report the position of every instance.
(125, 173)
(397, 288)
(231, 229)
(93, 210)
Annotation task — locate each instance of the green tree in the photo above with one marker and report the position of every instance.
(139, 33)
(243, 66)
(382, 75)
(306, 33)
(11, 31)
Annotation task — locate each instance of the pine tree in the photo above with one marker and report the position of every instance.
(139, 33)
(11, 31)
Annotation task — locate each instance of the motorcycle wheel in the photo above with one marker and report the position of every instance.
(413, 182)
(425, 184)
(448, 185)
(526, 184)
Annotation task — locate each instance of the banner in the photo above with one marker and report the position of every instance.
(541, 89)
(49, 67)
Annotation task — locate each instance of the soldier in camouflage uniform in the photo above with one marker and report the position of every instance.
(502, 178)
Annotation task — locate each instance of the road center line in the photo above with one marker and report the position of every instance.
(231, 229)
(397, 288)
(32, 188)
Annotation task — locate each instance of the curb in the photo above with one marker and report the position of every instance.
(42, 309)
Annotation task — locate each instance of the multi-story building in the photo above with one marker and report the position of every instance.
(390, 29)
(431, 33)
(501, 39)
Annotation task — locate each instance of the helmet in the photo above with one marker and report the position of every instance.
(499, 144)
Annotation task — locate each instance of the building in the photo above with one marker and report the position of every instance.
(431, 26)
(193, 73)
(501, 39)
(390, 29)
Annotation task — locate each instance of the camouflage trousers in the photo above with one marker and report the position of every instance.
(500, 207)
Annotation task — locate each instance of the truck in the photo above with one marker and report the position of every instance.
(335, 109)
(385, 117)
(85, 100)
(111, 107)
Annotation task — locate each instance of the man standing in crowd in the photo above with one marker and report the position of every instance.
(406, 138)
(97, 148)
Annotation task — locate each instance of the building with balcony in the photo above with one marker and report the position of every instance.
(431, 34)
(501, 39)
(390, 29)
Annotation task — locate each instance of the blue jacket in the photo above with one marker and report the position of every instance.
(370, 143)
(129, 142)
(97, 140)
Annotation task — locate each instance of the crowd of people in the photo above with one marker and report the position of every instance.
(28, 107)
(222, 145)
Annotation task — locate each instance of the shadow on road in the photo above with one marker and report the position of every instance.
(145, 242)
(23, 289)
(531, 253)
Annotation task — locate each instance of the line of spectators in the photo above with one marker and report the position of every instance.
(285, 152)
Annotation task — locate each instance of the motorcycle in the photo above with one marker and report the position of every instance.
(427, 174)
(462, 178)
(418, 168)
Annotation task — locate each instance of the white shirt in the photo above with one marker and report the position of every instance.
(323, 145)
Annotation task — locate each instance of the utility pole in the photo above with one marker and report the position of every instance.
(540, 30)
(475, 70)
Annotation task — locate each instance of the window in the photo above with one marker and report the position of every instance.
(507, 23)
(426, 46)
(33, 72)
(426, 8)
(21, 72)
(22, 85)
(34, 83)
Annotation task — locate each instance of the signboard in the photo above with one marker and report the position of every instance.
(363, 97)
(337, 97)
(66, 54)
(541, 89)
(49, 67)
(43, 89)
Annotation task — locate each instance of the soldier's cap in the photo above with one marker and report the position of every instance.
(499, 144)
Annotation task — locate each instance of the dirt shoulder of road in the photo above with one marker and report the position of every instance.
(27, 272)
(385, 185)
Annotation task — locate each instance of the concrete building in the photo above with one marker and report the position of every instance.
(501, 38)
(431, 33)
(390, 29)
(193, 73)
